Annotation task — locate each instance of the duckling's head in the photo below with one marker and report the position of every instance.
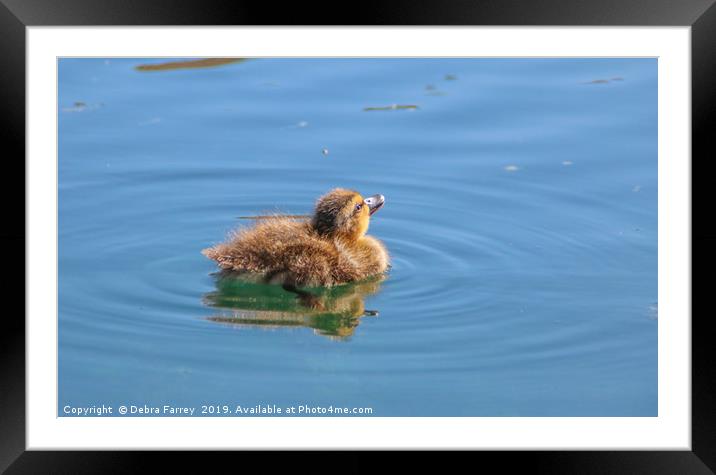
(345, 213)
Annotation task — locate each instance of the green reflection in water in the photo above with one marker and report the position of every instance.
(333, 312)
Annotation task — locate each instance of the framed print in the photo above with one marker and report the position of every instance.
(462, 228)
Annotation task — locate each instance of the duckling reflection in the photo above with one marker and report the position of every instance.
(334, 312)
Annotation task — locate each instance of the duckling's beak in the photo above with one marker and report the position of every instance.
(374, 203)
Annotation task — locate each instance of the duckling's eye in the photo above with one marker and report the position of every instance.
(359, 206)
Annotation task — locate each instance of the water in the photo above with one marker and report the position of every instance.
(521, 216)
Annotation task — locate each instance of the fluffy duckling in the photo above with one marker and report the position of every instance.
(329, 249)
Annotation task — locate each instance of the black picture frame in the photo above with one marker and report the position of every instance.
(16, 15)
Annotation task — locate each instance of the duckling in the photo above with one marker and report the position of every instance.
(329, 249)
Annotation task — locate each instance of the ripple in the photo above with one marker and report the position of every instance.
(462, 248)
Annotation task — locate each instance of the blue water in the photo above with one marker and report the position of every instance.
(521, 217)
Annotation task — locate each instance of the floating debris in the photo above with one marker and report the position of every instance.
(432, 90)
(189, 64)
(511, 168)
(153, 120)
(603, 81)
(324, 151)
(271, 216)
(450, 77)
(303, 123)
(392, 107)
(567, 163)
(79, 106)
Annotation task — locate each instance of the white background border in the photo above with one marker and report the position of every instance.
(670, 430)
